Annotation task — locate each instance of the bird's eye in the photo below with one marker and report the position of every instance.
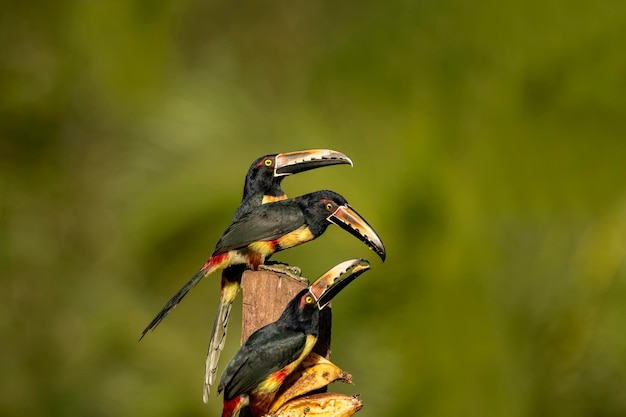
(268, 162)
(308, 299)
(329, 206)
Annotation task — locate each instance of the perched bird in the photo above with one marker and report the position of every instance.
(257, 235)
(263, 185)
(259, 368)
(265, 175)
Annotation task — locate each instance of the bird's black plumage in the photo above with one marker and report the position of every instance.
(265, 175)
(273, 222)
(271, 348)
(273, 352)
(260, 182)
(262, 223)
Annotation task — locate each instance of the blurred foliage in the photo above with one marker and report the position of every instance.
(488, 141)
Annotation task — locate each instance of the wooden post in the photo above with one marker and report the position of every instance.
(265, 295)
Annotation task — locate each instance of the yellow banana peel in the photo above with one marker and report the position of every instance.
(320, 405)
(316, 372)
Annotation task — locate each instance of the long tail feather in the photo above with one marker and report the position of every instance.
(210, 267)
(231, 283)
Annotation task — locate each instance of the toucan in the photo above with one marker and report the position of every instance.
(263, 185)
(265, 175)
(251, 240)
(258, 369)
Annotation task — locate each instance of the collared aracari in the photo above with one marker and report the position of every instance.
(263, 185)
(259, 368)
(251, 240)
(265, 175)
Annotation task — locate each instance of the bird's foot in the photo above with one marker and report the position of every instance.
(293, 271)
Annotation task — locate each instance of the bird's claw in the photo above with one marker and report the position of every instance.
(292, 271)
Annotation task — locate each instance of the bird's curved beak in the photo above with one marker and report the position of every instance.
(349, 220)
(300, 161)
(336, 279)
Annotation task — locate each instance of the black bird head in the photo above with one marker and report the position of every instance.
(267, 172)
(302, 312)
(321, 208)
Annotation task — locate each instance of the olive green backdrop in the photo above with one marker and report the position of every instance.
(489, 141)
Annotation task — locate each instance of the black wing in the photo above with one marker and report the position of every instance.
(266, 351)
(267, 222)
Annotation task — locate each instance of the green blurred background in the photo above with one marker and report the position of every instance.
(489, 148)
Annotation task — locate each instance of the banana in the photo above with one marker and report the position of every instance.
(312, 359)
(321, 405)
(316, 372)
